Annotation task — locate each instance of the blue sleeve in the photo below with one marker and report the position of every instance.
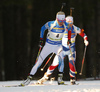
(42, 31)
(44, 27)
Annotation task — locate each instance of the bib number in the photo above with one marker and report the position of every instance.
(57, 35)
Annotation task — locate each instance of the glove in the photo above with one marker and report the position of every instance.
(41, 42)
(69, 42)
(86, 42)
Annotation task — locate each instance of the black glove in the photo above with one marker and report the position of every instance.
(69, 42)
(41, 42)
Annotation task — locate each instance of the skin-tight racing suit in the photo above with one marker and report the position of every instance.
(53, 42)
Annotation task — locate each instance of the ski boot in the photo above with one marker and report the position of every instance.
(72, 80)
(60, 80)
(43, 79)
(27, 81)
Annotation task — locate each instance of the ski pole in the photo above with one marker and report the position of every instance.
(38, 54)
(47, 62)
(63, 4)
(71, 9)
(72, 59)
(83, 61)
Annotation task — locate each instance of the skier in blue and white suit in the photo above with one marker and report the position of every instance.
(68, 43)
(53, 42)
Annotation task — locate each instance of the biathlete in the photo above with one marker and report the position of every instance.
(53, 42)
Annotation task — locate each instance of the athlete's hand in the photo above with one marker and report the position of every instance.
(69, 42)
(86, 42)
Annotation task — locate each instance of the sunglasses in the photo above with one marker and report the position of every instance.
(61, 20)
(69, 22)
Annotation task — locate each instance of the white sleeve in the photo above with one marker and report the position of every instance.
(77, 29)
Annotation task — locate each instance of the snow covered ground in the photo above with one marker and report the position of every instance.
(84, 86)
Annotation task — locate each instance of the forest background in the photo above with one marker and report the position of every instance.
(20, 24)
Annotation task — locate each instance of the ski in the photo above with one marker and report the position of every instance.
(12, 86)
(75, 84)
(34, 84)
(69, 84)
(25, 85)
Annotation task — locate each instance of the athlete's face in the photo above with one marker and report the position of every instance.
(60, 23)
(70, 24)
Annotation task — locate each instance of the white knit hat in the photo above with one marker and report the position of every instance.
(60, 16)
(69, 19)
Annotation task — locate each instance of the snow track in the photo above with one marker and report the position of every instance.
(84, 86)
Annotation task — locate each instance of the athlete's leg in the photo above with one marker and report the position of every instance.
(56, 49)
(61, 68)
(44, 53)
(72, 58)
(55, 62)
